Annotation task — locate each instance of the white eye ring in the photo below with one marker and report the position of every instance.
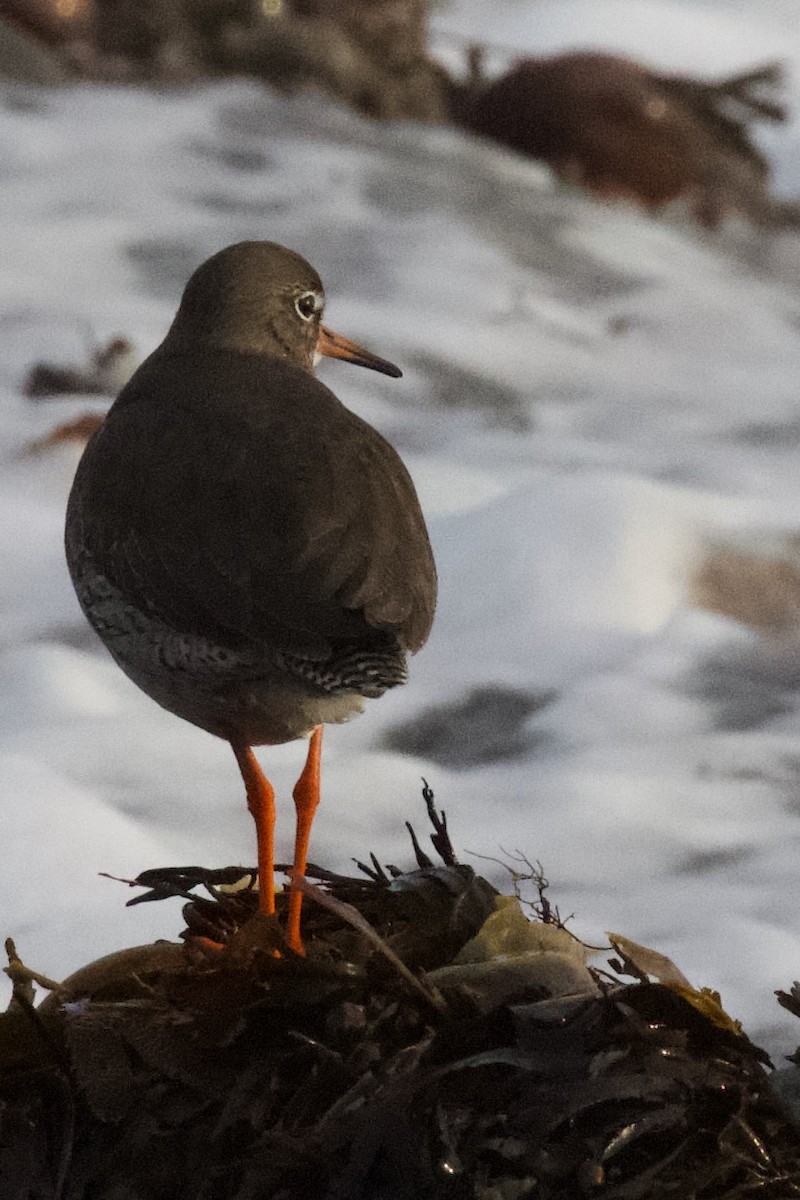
(308, 305)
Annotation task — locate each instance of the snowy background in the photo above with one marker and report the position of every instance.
(594, 404)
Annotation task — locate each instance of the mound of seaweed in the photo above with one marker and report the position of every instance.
(434, 1042)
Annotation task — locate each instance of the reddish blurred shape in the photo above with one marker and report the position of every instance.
(621, 130)
(78, 430)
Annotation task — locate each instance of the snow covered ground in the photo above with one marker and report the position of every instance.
(593, 403)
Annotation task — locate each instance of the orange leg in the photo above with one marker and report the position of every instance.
(306, 799)
(261, 802)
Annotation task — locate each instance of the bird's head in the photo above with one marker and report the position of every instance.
(260, 298)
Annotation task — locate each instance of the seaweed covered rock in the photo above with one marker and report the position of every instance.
(369, 54)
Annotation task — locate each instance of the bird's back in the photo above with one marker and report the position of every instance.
(238, 499)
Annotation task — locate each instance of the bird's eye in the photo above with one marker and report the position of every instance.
(308, 304)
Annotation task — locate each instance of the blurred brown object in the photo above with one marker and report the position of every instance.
(369, 54)
(623, 131)
(390, 31)
(79, 430)
(51, 21)
(109, 369)
(145, 39)
(758, 591)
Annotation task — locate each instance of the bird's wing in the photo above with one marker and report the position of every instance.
(260, 509)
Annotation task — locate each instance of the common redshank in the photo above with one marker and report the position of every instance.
(251, 552)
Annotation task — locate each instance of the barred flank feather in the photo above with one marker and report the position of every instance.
(368, 672)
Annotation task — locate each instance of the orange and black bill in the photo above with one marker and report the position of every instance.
(335, 346)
